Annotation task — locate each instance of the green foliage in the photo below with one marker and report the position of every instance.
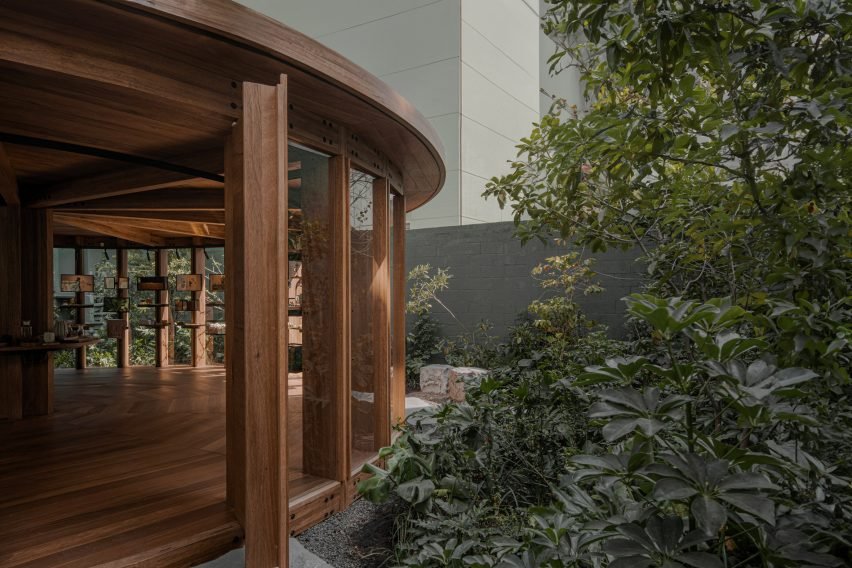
(423, 288)
(476, 348)
(705, 457)
(421, 343)
(468, 471)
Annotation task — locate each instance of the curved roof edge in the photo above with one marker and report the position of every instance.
(246, 26)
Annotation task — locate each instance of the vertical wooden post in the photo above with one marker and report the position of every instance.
(161, 347)
(398, 311)
(256, 192)
(199, 315)
(380, 299)
(11, 382)
(80, 299)
(123, 343)
(37, 306)
(341, 346)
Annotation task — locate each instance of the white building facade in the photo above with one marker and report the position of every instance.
(474, 68)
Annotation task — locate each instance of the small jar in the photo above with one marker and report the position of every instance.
(26, 329)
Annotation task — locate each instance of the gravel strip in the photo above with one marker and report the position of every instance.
(359, 537)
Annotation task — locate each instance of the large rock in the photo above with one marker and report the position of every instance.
(433, 378)
(459, 378)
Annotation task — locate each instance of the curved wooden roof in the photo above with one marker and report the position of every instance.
(160, 80)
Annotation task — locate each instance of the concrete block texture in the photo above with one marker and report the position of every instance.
(492, 281)
(434, 378)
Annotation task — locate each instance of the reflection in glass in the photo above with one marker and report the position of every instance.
(362, 349)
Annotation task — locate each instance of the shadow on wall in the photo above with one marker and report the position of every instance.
(492, 281)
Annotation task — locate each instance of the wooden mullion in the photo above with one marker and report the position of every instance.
(80, 299)
(123, 343)
(398, 311)
(380, 316)
(161, 346)
(199, 315)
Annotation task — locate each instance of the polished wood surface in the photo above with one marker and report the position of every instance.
(8, 180)
(11, 380)
(57, 346)
(260, 231)
(130, 471)
(399, 291)
(380, 317)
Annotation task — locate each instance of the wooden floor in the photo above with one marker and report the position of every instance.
(129, 471)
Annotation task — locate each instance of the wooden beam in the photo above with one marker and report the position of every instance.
(175, 199)
(123, 344)
(8, 181)
(11, 378)
(399, 276)
(380, 317)
(110, 229)
(257, 321)
(209, 217)
(129, 180)
(188, 228)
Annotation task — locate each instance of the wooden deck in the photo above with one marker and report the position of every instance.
(129, 471)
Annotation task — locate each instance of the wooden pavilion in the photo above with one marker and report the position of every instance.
(130, 125)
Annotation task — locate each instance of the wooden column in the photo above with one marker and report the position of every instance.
(398, 311)
(256, 224)
(199, 316)
(123, 344)
(11, 383)
(161, 345)
(37, 306)
(80, 299)
(380, 300)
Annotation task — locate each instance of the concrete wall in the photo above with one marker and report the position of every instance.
(491, 275)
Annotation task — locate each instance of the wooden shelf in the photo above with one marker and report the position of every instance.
(215, 304)
(159, 325)
(152, 305)
(75, 306)
(189, 325)
(56, 346)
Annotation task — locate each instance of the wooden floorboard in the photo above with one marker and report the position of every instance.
(129, 471)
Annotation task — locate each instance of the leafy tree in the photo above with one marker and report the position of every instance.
(717, 141)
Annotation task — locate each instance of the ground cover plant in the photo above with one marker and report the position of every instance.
(716, 140)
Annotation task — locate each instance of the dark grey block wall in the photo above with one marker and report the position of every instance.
(492, 281)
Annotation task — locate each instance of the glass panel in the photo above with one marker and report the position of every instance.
(180, 338)
(141, 262)
(63, 263)
(214, 263)
(311, 378)
(102, 264)
(362, 348)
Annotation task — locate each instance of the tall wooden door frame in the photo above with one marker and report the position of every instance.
(256, 360)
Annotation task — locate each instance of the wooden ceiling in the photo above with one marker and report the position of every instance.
(114, 112)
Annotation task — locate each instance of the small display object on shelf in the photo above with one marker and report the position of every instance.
(116, 328)
(117, 305)
(189, 282)
(217, 282)
(294, 283)
(215, 328)
(152, 283)
(77, 283)
(116, 283)
(109, 283)
(186, 305)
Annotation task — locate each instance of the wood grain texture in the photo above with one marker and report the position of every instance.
(264, 261)
(162, 314)
(399, 288)
(80, 299)
(8, 180)
(380, 318)
(199, 316)
(11, 385)
(123, 343)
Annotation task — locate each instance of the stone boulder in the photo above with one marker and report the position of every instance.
(433, 378)
(459, 377)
